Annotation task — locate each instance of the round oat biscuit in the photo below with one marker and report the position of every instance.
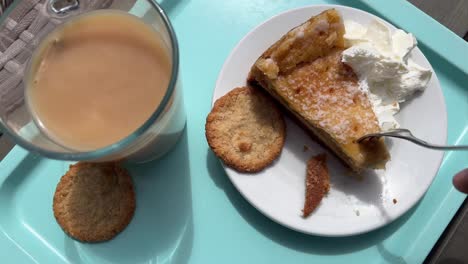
(245, 129)
(94, 201)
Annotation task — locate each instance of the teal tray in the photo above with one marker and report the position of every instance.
(187, 209)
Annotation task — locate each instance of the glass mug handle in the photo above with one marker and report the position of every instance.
(61, 7)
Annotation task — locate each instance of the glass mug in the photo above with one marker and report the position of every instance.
(155, 137)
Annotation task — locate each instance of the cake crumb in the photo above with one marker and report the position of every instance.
(357, 212)
(305, 148)
(395, 201)
(317, 183)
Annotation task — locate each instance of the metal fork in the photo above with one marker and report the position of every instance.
(407, 135)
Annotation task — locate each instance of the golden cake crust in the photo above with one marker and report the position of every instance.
(321, 91)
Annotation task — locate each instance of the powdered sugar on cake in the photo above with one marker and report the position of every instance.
(326, 90)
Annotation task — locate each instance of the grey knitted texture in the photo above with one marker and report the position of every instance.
(20, 33)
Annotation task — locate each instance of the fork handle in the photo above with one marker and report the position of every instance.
(407, 135)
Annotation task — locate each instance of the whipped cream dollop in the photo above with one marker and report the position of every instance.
(381, 59)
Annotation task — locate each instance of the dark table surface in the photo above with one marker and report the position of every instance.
(451, 247)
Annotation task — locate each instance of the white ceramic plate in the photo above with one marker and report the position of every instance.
(352, 206)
